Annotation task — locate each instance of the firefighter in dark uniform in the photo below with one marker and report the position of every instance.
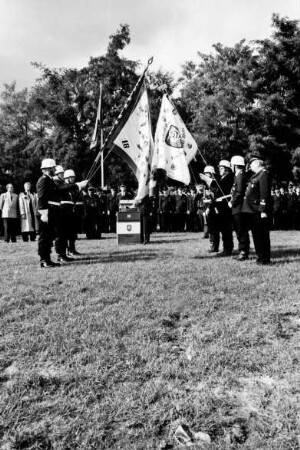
(256, 207)
(47, 204)
(191, 210)
(222, 192)
(210, 214)
(236, 203)
(61, 220)
(92, 214)
(49, 209)
(69, 207)
(164, 211)
(143, 205)
(112, 209)
(180, 210)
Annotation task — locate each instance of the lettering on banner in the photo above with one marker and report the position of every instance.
(125, 144)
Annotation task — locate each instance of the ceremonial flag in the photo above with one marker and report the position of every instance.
(98, 124)
(174, 146)
(134, 142)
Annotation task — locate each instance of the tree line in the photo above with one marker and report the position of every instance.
(234, 100)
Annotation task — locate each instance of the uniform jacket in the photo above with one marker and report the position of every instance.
(238, 192)
(46, 192)
(164, 203)
(28, 223)
(54, 192)
(180, 204)
(9, 205)
(192, 203)
(112, 203)
(92, 205)
(258, 193)
(223, 187)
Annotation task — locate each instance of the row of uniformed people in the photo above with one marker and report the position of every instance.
(242, 200)
(286, 207)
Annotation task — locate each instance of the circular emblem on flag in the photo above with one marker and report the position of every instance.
(173, 138)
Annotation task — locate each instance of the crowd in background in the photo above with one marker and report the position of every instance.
(173, 210)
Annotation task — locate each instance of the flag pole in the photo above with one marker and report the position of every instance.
(110, 135)
(102, 159)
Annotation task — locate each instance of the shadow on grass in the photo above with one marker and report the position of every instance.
(119, 257)
(282, 254)
(168, 241)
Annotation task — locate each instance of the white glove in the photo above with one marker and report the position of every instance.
(206, 178)
(230, 204)
(263, 215)
(82, 184)
(44, 215)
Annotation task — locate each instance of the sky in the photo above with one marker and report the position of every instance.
(66, 33)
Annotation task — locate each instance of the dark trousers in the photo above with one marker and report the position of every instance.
(225, 224)
(191, 221)
(10, 229)
(92, 226)
(61, 233)
(164, 221)
(145, 231)
(45, 241)
(260, 229)
(27, 235)
(112, 221)
(242, 234)
(179, 221)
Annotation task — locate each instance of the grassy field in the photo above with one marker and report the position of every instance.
(128, 345)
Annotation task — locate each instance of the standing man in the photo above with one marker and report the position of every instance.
(236, 203)
(9, 207)
(164, 210)
(70, 214)
(27, 205)
(257, 210)
(191, 209)
(48, 207)
(211, 216)
(112, 209)
(180, 210)
(92, 214)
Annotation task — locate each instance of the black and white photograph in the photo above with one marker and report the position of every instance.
(149, 225)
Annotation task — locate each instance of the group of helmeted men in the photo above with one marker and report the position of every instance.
(238, 201)
(232, 201)
(57, 196)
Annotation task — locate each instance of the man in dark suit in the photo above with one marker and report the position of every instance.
(257, 209)
(236, 203)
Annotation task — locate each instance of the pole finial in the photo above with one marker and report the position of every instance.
(150, 61)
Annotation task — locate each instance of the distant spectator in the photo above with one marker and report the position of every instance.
(28, 210)
(9, 208)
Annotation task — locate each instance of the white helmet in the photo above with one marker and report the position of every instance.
(209, 169)
(69, 173)
(59, 169)
(48, 163)
(224, 163)
(237, 161)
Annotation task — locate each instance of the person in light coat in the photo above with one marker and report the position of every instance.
(28, 210)
(9, 207)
